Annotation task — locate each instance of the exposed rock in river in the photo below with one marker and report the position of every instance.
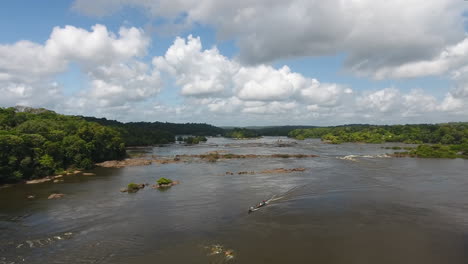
(39, 180)
(271, 171)
(56, 196)
(282, 170)
(133, 187)
(210, 157)
(124, 163)
(167, 185)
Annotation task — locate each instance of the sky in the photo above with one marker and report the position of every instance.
(238, 63)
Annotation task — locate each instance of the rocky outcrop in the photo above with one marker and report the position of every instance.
(124, 163)
(47, 179)
(282, 170)
(159, 186)
(210, 157)
(133, 187)
(271, 171)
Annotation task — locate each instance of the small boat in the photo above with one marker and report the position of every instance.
(257, 207)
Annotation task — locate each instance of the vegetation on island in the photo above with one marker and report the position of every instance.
(436, 151)
(436, 140)
(133, 187)
(155, 133)
(446, 134)
(37, 142)
(277, 131)
(164, 181)
(192, 140)
(241, 133)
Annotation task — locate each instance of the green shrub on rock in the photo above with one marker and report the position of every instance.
(163, 180)
(133, 187)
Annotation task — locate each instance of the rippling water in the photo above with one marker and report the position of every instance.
(363, 208)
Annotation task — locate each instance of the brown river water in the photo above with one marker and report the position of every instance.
(365, 208)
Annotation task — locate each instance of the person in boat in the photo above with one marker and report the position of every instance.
(261, 204)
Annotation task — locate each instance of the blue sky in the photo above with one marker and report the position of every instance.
(361, 61)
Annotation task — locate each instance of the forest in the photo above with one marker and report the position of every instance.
(277, 130)
(241, 133)
(37, 142)
(450, 133)
(448, 140)
(154, 133)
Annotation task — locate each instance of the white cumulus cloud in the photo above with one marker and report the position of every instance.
(374, 34)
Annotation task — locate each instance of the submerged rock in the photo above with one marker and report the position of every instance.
(282, 170)
(56, 196)
(124, 163)
(219, 251)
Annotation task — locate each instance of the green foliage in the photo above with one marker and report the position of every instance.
(146, 133)
(277, 130)
(432, 151)
(133, 187)
(331, 139)
(450, 140)
(164, 181)
(38, 142)
(241, 133)
(451, 133)
(195, 140)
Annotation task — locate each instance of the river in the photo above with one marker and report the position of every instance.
(365, 208)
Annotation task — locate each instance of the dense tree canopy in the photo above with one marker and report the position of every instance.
(451, 133)
(241, 133)
(146, 133)
(446, 140)
(38, 142)
(277, 130)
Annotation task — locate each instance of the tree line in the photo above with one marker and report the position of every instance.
(448, 140)
(38, 142)
(450, 133)
(153, 133)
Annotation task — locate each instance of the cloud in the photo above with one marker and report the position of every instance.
(265, 83)
(123, 83)
(120, 83)
(199, 72)
(375, 35)
(207, 73)
(111, 62)
(449, 59)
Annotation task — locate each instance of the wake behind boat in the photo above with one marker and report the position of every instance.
(272, 199)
